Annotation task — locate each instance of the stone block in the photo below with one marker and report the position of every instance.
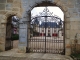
(68, 46)
(78, 1)
(2, 6)
(3, 30)
(9, 1)
(2, 47)
(2, 39)
(64, 8)
(70, 4)
(73, 33)
(77, 5)
(63, 1)
(3, 21)
(22, 49)
(79, 10)
(67, 25)
(75, 19)
(2, 17)
(16, 1)
(79, 14)
(78, 37)
(0, 26)
(16, 5)
(15, 9)
(9, 6)
(3, 26)
(68, 41)
(67, 34)
(67, 19)
(74, 24)
(3, 35)
(2, 1)
(74, 27)
(79, 41)
(58, 2)
(67, 14)
(73, 12)
(3, 12)
(68, 51)
(72, 41)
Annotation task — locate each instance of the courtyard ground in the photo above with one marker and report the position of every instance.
(15, 43)
(13, 54)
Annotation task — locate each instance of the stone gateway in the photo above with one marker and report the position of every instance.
(22, 9)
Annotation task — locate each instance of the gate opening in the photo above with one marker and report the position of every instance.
(12, 35)
(46, 30)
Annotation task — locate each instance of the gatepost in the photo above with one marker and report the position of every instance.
(22, 35)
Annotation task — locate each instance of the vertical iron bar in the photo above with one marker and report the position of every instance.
(64, 35)
(45, 35)
(45, 28)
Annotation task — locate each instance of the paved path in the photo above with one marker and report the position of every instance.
(14, 55)
(15, 43)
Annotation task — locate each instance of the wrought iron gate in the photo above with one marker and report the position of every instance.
(8, 43)
(11, 24)
(46, 33)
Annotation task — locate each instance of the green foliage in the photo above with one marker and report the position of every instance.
(76, 55)
(15, 36)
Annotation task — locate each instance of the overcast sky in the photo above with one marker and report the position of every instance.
(56, 11)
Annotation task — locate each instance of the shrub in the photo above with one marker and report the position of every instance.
(15, 36)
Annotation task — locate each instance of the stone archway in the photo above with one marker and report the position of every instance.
(3, 25)
(11, 31)
(25, 19)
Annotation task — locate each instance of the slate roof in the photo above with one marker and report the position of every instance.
(49, 24)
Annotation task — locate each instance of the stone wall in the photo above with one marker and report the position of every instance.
(7, 8)
(72, 17)
(71, 9)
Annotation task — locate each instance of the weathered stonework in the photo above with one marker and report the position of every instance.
(2, 1)
(9, 6)
(2, 6)
(9, 1)
(68, 51)
(3, 12)
(67, 27)
(22, 8)
(6, 10)
(67, 34)
(15, 9)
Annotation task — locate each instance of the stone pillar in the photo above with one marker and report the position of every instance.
(28, 25)
(2, 37)
(67, 37)
(22, 35)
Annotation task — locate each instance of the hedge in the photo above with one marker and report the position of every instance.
(15, 36)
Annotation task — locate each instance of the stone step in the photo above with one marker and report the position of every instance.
(14, 55)
(31, 58)
(12, 58)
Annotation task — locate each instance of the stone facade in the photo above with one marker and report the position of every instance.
(22, 8)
